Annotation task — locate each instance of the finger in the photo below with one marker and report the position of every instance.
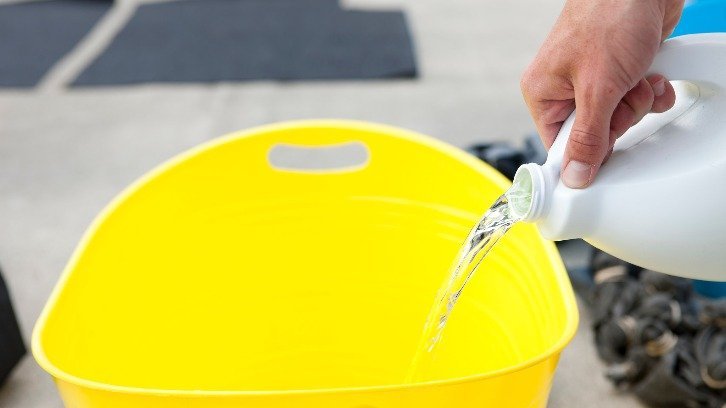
(665, 95)
(589, 139)
(672, 15)
(607, 156)
(547, 98)
(551, 120)
(631, 109)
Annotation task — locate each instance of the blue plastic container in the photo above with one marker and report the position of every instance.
(704, 16)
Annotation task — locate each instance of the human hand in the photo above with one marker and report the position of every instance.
(596, 57)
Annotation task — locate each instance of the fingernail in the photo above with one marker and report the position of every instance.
(576, 174)
(659, 87)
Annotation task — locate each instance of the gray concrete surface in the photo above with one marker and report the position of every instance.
(65, 153)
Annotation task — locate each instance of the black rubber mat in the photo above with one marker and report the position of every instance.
(35, 35)
(12, 348)
(233, 40)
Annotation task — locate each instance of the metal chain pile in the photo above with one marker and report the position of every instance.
(657, 337)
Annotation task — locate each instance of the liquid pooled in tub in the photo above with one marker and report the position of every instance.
(495, 223)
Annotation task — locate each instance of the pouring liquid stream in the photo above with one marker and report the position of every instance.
(485, 234)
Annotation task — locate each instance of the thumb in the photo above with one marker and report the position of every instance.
(589, 140)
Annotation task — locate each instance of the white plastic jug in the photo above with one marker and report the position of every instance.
(660, 201)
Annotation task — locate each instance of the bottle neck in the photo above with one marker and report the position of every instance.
(528, 195)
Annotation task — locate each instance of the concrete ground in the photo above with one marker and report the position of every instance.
(65, 153)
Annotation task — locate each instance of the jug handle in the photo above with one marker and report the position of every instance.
(697, 58)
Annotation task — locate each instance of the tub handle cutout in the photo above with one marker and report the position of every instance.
(338, 157)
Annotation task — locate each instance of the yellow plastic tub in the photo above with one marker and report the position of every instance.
(219, 280)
